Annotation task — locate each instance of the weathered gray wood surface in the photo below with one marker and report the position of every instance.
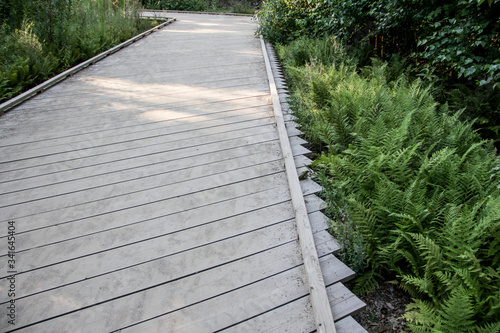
(149, 194)
(342, 301)
(314, 276)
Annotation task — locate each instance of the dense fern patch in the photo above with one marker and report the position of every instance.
(414, 192)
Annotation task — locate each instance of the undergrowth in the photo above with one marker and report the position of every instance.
(452, 45)
(231, 6)
(45, 38)
(413, 191)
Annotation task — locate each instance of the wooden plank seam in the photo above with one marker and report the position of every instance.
(62, 76)
(319, 298)
(338, 272)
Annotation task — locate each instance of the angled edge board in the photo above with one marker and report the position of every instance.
(319, 298)
(60, 77)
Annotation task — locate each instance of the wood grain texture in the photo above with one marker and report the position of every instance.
(349, 325)
(47, 84)
(150, 193)
(319, 298)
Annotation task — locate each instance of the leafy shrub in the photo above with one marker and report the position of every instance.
(234, 6)
(190, 5)
(406, 181)
(454, 45)
(320, 51)
(56, 35)
(242, 7)
(23, 61)
(282, 21)
(480, 104)
(461, 36)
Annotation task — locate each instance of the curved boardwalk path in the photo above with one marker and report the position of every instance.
(148, 194)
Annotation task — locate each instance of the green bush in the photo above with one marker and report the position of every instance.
(56, 35)
(413, 190)
(454, 45)
(282, 21)
(189, 5)
(24, 62)
(233, 6)
(461, 36)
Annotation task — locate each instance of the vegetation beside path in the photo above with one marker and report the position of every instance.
(39, 39)
(228, 6)
(405, 144)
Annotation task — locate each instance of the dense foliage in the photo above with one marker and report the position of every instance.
(40, 38)
(233, 6)
(455, 45)
(413, 191)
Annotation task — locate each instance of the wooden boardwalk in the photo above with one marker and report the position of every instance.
(148, 193)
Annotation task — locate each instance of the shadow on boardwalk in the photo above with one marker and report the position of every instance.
(148, 194)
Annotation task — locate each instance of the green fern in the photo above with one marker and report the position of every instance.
(407, 180)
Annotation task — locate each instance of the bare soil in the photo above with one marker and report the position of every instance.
(384, 308)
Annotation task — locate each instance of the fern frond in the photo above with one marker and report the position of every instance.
(417, 285)
(422, 316)
(458, 312)
(366, 283)
(430, 250)
(489, 328)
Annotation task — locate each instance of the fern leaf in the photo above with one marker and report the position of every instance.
(458, 312)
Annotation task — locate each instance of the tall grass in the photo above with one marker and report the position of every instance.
(54, 36)
(414, 192)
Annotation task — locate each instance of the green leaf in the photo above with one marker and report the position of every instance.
(469, 71)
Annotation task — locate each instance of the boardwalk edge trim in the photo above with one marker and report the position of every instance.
(319, 298)
(62, 76)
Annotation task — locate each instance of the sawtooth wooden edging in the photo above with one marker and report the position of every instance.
(319, 298)
(342, 301)
(159, 201)
(60, 77)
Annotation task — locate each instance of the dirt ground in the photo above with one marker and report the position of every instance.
(384, 308)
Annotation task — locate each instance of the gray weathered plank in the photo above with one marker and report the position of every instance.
(149, 192)
(325, 243)
(137, 131)
(89, 149)
(292, 317)
(68, 194)
(191, 265)
(314, 277)
(314, 203)
(301, 161)
(319, 222)
(349, 325)
(45, 177)
(255, 301)
(335, 270)
(298, 149)
(342, 301)
(309, 186)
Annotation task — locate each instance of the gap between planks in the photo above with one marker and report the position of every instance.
(319, 298)
(6, 106)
